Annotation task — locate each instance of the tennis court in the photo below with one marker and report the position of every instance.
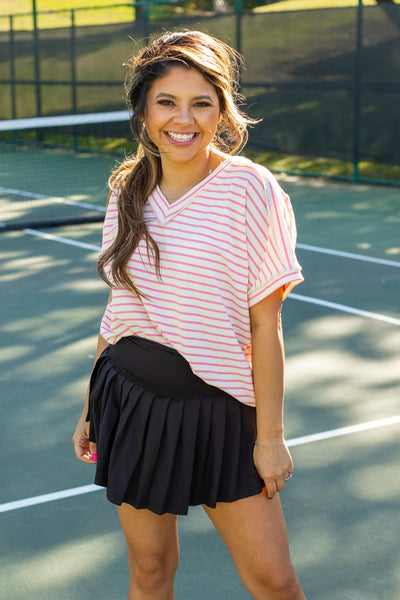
(60, 536)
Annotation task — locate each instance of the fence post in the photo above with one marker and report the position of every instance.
(36, 59)
(73, 62)
(239, 12)
(75, 143)
(145, 9)
(12, 69)
(357, 91)
(142, 17)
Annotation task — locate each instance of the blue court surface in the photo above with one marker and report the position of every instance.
(60, 537)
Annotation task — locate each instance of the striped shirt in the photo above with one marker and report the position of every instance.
(224, 246)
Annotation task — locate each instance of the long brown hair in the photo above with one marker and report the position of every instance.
(137, 176)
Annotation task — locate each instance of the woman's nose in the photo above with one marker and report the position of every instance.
(183, 115)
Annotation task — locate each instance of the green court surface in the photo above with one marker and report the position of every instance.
(342, 330)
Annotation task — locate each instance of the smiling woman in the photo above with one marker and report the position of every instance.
(213, 67)
(185, 405)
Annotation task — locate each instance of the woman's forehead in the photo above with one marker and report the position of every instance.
(182, 79)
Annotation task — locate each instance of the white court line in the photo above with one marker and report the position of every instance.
(333, 305)
(326, 435)
(318, 249)
(62, 240)
(44, 498)
(299, 441)
(8, 506)
(347, 309)
(55, 199)
(371, 259)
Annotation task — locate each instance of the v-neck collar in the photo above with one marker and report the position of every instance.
(166, 211)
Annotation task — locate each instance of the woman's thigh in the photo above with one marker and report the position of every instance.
(150, 538)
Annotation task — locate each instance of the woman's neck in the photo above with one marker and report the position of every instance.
(179, 178)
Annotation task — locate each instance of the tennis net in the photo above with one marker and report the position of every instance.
(54, 170)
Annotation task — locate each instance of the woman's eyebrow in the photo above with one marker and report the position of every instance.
(196, 98)
(205, 97)
(165, 95)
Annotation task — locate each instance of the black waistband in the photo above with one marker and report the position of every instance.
(159, 368)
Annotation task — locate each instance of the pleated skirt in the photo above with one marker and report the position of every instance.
(167, 440)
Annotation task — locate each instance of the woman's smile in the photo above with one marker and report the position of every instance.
(181, 138)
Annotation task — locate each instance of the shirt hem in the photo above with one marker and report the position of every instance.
(286, 280)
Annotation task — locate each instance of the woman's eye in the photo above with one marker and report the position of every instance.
(167, 102)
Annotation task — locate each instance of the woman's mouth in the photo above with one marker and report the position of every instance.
(181, 138)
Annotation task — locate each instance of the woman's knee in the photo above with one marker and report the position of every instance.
(284, 584)
(280, 583)
(150, 571)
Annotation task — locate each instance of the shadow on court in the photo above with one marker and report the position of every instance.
(341, 506)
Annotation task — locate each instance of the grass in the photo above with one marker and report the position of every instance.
(326, 167)
(23, 21)
(25, 6)
(108, 11)
(275, 161)
(86, 13)
(295, 5)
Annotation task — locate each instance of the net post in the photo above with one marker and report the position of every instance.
(357, 91)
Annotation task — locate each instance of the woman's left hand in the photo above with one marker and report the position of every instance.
(274, 465)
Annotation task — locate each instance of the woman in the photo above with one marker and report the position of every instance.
(186, 396)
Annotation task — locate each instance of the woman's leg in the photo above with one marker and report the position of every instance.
(254, 532)
(153, 552)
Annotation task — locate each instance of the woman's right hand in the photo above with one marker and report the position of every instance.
(84, 449)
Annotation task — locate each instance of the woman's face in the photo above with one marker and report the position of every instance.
(182, 114)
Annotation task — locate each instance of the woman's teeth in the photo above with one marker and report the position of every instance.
(181, 137)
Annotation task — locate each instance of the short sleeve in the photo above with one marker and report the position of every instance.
(271, 239)
(110, 225)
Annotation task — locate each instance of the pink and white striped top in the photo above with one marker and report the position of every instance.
(224, 246)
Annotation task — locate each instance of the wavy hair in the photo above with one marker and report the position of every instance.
(137, 176)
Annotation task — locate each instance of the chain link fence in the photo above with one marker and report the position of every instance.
(326, 81)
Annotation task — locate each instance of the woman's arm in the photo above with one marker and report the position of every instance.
(83, 448)
(271, 455)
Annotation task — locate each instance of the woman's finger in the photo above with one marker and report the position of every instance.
(93, 451)
(81, 443)
(271, 488)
